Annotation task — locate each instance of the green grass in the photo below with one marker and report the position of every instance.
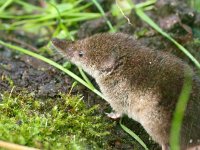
(135, 136)
(195, 4)
(30, 21)
(179, 112)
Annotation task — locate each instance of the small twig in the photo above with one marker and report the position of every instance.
(11, 92)
(129, 22)
(12, 146)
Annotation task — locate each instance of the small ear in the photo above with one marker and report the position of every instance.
(109, 64)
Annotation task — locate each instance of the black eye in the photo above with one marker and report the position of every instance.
(81, 54)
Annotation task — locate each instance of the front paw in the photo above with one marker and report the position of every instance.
(113, 115)
(165, 147)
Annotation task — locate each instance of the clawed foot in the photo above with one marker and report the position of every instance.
(165, 147)
(113, 115)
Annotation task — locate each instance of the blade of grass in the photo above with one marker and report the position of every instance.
(6, 4)
(35, 55)
(179, 112)
(77, 3)
(48, 23)
(137, 138)
(148, 20)
(145, 4)
(8, 16)
(85, 78)
(103, 14)
(28, 5)
(53, 16)
(80, 8)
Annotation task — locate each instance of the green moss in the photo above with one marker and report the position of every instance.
(61, 123)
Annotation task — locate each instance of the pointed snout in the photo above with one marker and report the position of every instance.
(59, 43)
(55, 41)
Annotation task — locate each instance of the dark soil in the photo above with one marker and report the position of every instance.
(43, 80)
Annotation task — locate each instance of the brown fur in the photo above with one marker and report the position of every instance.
(144, 84)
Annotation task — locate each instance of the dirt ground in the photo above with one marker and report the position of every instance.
(180, 21)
